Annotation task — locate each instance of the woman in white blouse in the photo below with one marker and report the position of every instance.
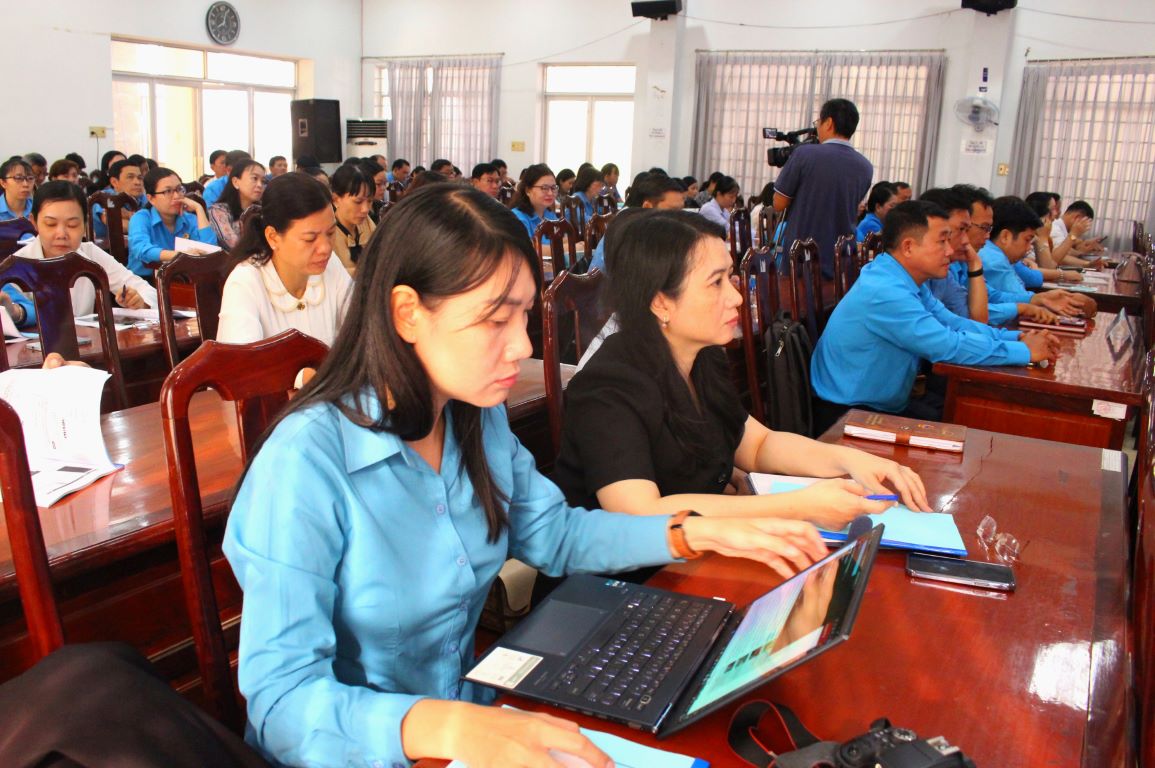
(290, 278)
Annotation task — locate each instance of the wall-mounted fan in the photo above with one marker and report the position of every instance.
(977, 112)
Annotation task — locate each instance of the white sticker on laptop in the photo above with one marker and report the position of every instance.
(1109, 410)
(504, 668)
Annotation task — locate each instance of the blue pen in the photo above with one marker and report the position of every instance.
(882, 497)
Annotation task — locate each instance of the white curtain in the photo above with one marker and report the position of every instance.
(898, 95)
(444, 107)
(1085, 129)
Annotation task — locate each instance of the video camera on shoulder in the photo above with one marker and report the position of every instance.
(777, 156)
(883, 746)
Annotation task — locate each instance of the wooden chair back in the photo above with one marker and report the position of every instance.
(845, 265)
(562, 244)
(50, 282)
(26, 538)
(247, 217)
(206, 275)
(581, 297)
(768, 221)
(869, 248)
(604, 203)
(574, 211)
(596, 230)
(112, 204)
(1138, 236)
(194, 188)
(10, 233)
(505, 195)
(758, 272)
(257, 378)
(806, 286)
(739, 234)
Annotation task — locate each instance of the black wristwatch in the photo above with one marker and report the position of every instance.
(976, 273)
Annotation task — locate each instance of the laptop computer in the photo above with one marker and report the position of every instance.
(659, 660)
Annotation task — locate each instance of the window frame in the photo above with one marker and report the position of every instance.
(589, 97)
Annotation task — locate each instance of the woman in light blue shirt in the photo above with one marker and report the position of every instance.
(883, 196)
(370, 524)
(16, 183)
(152, 232)
(588, 185)
(533, 201)
(725, 197)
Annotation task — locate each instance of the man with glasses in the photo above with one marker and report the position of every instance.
(17, 181)
(964, 289)
(485, 178)
(822, 184)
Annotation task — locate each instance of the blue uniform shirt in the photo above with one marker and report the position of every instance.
(148, 236)
(869, 224)
(213, 190)
(598, 261)
(364, 574)
(531, 222)
(7, 214)
(1003, 283)
(1032, 278)
(21, 300)
(99, 227)
(716, 214)
(871, 348)
(954, 290)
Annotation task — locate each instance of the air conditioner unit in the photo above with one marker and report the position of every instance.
(365, 138)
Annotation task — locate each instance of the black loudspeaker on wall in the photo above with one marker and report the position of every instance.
(317, 129)
(657, 9)
(990, 7)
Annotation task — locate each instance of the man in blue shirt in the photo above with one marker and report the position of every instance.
(822, 184)
(123, 176)
(964, 289)
(400, 172)
(889, 322)
(215, 188)
(1011, 239)
(649, 190)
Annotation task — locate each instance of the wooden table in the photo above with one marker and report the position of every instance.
(1040, 677)
(1054, 403)
(1113, 296)
(141, 355)
(112, 547)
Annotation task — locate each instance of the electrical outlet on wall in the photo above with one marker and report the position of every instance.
(97, 132)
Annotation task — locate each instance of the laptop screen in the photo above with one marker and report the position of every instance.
(798, 618)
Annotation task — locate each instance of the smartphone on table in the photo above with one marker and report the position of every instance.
(958, 571)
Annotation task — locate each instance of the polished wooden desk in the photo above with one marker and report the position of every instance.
(1040, 677)
(112, 547)
(141, 355)
(1112, 296)
(1054, 403)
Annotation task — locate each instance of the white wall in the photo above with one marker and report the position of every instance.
(62, 82)
(603, 31)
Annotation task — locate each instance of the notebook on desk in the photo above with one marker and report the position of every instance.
(905, 529)
(659, 660)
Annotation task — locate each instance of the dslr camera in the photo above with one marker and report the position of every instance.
(883, 746)
(777, 156)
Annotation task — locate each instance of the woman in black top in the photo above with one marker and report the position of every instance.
(653, 424)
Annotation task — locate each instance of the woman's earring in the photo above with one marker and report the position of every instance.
(666, 321)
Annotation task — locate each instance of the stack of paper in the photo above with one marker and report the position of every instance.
(59, 410)
(905, 528)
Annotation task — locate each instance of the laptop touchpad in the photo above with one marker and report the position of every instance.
(557, 627)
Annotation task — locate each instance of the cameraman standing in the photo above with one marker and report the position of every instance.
(823, 183)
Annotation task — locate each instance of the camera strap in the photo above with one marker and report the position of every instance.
(761, 730)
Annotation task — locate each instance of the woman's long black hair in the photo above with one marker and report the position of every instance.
(442, 240)
(650, 252)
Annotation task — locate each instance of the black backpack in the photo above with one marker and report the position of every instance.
(788, 351)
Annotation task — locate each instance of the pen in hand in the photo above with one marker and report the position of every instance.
(882, 497)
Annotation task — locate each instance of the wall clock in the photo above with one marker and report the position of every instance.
(223, 23)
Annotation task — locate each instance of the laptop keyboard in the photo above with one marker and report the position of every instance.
(640, 650)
